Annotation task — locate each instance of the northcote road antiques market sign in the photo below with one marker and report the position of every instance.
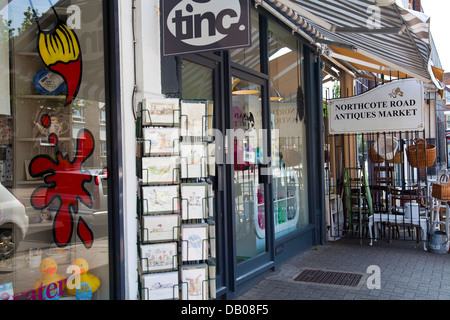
(202, 25)
(396, 106)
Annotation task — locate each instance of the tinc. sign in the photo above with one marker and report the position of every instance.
(396, 106)
(201, 25)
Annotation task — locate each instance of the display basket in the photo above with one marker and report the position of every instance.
(375, 157)
(421, 154)
(398, 158)
(441, 189)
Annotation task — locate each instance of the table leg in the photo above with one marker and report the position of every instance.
(447, 213)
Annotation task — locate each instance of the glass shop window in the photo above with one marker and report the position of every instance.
(250, 57)
(53, 190)
(287, 102)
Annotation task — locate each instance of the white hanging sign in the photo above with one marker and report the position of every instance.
(391, 107)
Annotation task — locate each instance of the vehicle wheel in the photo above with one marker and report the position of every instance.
(9, 243)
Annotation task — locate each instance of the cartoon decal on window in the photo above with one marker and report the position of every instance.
(65, 185)
(60, 51)
(65, 180)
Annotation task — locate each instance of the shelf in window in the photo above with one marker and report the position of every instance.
(30, 182)
(27, 54)
(37, 140)
(39, 96)
(284, 199)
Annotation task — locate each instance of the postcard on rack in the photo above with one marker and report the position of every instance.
(164, 112)
(160, 170)
(160, 227)
(160, 286)
(159, 257)
(194, 282)
(194, 240)
(160, 199)
(161, 141)
(193, 118)
(193, 160)
(194, 201)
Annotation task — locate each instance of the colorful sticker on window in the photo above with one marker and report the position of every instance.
(60, 51)
(65, 182)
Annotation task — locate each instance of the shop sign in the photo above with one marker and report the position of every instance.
(202, 25)
(395, 106)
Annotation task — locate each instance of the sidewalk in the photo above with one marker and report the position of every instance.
(407, 273)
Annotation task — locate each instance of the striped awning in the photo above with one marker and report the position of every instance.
(380, 36)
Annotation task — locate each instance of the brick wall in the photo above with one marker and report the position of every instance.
(415, 4)
(447, 78)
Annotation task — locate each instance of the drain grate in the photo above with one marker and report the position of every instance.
(329, 277)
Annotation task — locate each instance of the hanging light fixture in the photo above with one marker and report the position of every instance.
(275, 96)
(245, 89)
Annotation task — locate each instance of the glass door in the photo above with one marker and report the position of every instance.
(249, 182)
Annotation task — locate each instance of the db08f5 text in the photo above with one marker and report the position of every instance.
(247, 309)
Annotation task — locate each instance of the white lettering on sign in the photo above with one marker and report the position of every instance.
(203, 22)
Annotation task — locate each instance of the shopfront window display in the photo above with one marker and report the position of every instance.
(288, 131)
(53, 192)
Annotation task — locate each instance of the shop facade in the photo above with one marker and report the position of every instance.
(82, 137)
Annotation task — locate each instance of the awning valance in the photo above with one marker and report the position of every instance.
(379, 36)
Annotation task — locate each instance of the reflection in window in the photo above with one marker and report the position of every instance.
(250, 56)
(248, 190)
(39, 135)
(197, 82)
(288, 132)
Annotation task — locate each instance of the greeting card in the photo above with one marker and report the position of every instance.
(160, 199)
(194, 201)
(161, 141)
(193, 119)
(193, 160)
(160, 227)
(160, 170)
(194, 282)
(194, 242)
(160, 286)
(161, 112)
(158, 257)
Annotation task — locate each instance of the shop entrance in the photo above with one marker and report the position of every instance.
(266, 204)
(241, 180)
(250, 174)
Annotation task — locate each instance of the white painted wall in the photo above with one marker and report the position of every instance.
(148, 76)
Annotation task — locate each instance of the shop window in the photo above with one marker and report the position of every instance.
(197, 82)
(249, 190)
(250, 56)
(288, 132)
(447, 121)
(79, 112)
(54, 217)
(102, 117)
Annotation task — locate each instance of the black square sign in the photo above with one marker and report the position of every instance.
(191, 26)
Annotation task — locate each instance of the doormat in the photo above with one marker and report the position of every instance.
(329, 277)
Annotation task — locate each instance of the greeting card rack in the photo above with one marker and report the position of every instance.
(175, 200)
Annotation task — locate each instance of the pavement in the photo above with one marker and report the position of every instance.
(391, 270)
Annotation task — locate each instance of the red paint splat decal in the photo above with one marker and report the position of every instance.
(65, 183)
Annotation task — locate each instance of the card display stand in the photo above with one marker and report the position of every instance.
(176, 205)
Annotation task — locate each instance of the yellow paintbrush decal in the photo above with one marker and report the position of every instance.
(59, 46)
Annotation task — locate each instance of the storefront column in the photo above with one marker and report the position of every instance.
(140, 67)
